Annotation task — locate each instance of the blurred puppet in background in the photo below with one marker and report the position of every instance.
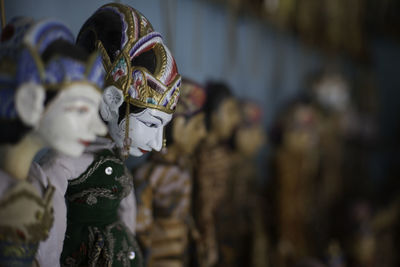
(309, 169)
(296, 169)
(213, 168)
(142, 90)
(236, 214)
(164, 185)
(50, 98)
(251, 243)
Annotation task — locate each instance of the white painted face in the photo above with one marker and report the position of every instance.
(145, 128)
(71, 121)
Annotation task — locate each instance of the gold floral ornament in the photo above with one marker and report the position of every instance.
(153, 84)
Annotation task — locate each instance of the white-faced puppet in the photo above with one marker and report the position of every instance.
(55, 94)
(95, 193)
(142, 78)
(49, 98)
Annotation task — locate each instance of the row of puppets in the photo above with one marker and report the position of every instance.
(114, 91)
(322, 205)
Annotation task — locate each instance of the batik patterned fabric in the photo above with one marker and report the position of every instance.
(95, 236)
(212, 174)
(163, 190)
(158, 88)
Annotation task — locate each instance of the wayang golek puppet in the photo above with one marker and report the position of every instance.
(243, 196)
(164, 185)
(212, 169)
(344, 131)
(309, 167)
(48, 99)
(296, 161)
(142, 89)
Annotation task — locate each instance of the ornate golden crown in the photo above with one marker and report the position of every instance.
(158, 89)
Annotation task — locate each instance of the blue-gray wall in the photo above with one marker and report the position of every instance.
(267, 65)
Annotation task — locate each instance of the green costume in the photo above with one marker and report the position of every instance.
(95, 236)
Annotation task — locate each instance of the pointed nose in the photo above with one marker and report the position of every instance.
(157, 141)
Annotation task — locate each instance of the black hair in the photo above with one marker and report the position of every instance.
(105, 26)
(132, 109)
(168, 133)
(217, 92)
(61, 47)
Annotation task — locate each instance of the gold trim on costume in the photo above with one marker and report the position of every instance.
(26, 216)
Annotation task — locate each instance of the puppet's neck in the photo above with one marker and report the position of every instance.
(17, 158)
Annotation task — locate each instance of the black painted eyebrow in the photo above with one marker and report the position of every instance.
(161, 120)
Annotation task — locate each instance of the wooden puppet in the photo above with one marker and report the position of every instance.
(142, 90)
(213, 168)
(247, 141)
(164, 185)
(49, 99)
(309, 165)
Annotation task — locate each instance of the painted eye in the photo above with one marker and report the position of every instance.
(82, 110)
(152, 125)
(149, 124)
